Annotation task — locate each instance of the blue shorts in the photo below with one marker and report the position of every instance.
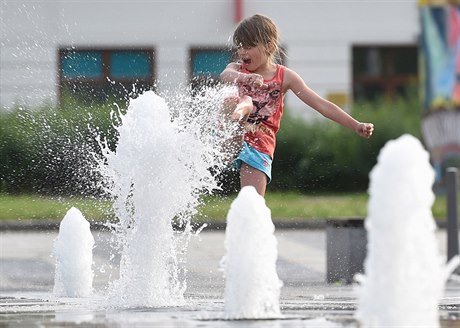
(255, 159)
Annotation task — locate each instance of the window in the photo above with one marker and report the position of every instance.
(383, 71)
(96, 75)
(206, 64)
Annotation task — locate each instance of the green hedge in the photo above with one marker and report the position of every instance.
(324, 156)
(48, 149)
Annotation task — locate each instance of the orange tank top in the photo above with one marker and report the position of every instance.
(264, 121)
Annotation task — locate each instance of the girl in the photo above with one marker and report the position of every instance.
(262, 85)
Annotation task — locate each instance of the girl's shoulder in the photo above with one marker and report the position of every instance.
(290, 77)
(286, 70)
(279, 72)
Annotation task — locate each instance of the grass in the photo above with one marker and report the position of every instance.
(284, 206)
(296, 206)
(36, 207)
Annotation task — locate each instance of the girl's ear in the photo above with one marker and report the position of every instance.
(271, 48)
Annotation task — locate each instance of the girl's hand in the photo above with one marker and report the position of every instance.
(365, 129)
(253, 79)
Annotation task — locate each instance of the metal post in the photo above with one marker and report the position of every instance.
(452, 213)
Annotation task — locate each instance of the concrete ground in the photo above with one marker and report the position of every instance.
(27, 279)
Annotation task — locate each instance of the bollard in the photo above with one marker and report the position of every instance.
(346, 242)
(452, 213)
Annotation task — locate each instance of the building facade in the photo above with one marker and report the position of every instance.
(342, 49)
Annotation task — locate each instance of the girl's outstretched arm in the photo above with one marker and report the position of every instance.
(292, 81)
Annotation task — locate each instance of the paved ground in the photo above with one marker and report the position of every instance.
(27, 278)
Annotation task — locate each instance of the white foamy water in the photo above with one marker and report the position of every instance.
(252, 286)
(166, 158)
(73, 251)
(404, 273)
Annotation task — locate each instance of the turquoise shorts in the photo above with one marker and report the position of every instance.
(255, 159)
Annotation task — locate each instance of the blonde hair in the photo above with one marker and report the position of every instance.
(259, 31)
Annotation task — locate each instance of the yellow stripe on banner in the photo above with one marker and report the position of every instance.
(438, 2)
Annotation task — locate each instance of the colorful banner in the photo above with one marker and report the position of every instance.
(440, 54)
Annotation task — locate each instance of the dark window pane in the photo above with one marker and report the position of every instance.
(82, 64)
(383, 71)
(371, 92)
(367, 61)
(101, 75)
(209, 62)
(130, 65)
(406, 61)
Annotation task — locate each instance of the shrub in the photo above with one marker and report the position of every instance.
(49, 149)
(324, 156)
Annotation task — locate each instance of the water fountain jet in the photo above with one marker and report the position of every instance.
(73, 252)
(165, 159)
(252, 286)
(404, 273)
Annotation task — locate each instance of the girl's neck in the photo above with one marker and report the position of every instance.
(267, 70)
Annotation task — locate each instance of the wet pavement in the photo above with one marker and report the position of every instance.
(27, 279)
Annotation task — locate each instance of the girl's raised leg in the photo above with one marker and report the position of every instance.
(250, 176)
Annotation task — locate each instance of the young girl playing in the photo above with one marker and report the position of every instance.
(262, 85)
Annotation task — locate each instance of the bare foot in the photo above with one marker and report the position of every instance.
(242, 109)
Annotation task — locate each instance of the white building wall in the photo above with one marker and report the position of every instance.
(318, 36)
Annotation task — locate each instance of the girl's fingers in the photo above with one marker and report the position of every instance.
(366, 129)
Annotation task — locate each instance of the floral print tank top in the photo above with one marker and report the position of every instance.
(264, 121)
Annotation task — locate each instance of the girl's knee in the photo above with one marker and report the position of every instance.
(230, 103)
(243, 108)
(250, 176)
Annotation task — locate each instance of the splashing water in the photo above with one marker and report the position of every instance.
(403, 266)
(73, 252)
(165, 159)
(252, 286)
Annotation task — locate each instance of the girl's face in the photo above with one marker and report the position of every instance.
(252, 57)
